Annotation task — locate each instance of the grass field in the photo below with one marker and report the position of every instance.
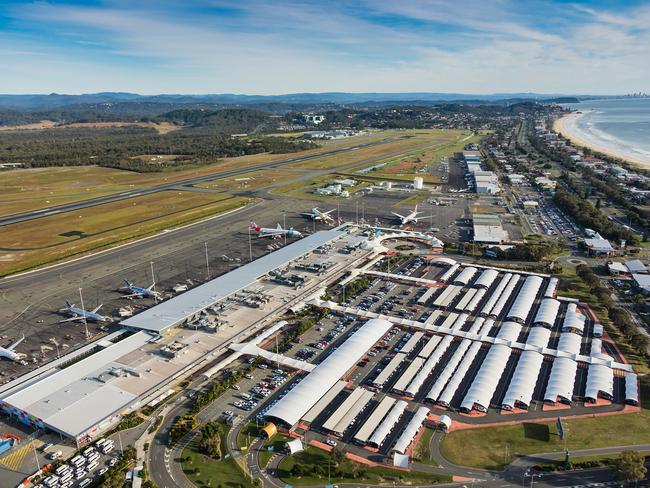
(204, 471)
(403, 143)
(486, 447)
(421, 451)
(580, 462)
(31, 189)
(34, 242)
(251, 181)
(316, 462)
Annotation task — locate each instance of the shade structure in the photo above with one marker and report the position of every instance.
(411, 430)
(525, 299)
(561, 380)
(297, 402)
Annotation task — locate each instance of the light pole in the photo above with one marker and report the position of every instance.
(153, 277)
(83, 311)
(250, 245)
(207, 261)
(38, 464)
(284, 226)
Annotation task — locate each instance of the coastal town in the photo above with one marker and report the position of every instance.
(341, 245)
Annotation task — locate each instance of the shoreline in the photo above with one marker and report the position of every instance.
(560, 126)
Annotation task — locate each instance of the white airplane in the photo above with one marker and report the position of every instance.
(316, 214)
(139, 292)
(79, 314)
(274, 233)
(406, 219)
(9, 353)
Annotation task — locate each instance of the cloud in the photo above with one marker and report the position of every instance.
(285, 46)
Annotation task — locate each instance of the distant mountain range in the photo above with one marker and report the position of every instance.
(39, 102)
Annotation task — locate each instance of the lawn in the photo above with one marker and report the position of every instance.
(251, 181)
(31, 189)
(486, 447)
(318, 464)
(421, 452)
(36, 242)
(398, 143)
(277, 444)
(582, 462)
(207, 472)
(247, 435)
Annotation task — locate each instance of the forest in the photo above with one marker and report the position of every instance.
(122, 147)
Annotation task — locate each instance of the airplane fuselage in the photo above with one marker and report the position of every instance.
(92, 316)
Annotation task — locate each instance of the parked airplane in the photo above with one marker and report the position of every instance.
(139, 292)
(9, 353)
(274, 233)
(79, 314)
(316, 214)
(406, 219)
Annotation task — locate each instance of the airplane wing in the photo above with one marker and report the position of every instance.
(11, 348)
(132, 295)
(398, 215)
(307, 214)
(72, 319)
(98, 307)
(328, 212)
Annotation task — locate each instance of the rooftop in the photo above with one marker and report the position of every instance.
(175, 310)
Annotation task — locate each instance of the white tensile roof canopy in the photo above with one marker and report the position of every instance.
(298, 401)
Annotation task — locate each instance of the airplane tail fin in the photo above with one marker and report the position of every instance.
(254, 226)
(279, 227)
(416, 208)
(69, 304)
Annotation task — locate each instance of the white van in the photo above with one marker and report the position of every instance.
(85, 483)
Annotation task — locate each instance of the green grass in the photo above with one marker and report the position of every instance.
(582, 462)
(315, 461)
(247, 434)
(421, 452)
(486, 447)
(207, 472)
(55, 237)
(278, 443)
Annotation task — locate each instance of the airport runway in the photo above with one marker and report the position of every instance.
(44, 212)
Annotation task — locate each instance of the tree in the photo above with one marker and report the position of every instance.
(337, 455)
(630, 466)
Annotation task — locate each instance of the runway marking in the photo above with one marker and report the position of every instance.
(14, 459)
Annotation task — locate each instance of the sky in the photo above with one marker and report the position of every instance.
(273, 47)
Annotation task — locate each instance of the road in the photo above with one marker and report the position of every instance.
(44, 212)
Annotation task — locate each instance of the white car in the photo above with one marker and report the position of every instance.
(236, 387)
(112, 462)
(102, 471)
(330, 442)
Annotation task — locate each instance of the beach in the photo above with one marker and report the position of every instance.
(566, 125)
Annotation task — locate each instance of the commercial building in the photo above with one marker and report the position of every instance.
(488, 229)
(597, 246)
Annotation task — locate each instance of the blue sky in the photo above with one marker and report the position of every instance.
(272, 47)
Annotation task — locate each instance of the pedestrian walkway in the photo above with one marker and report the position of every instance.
(14, 459)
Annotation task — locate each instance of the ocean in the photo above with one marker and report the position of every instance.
(618, 126)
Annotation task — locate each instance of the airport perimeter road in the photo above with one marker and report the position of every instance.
(44, 212)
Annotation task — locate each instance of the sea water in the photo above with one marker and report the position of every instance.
(619, 125)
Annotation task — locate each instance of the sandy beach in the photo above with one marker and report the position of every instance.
(563, 126)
